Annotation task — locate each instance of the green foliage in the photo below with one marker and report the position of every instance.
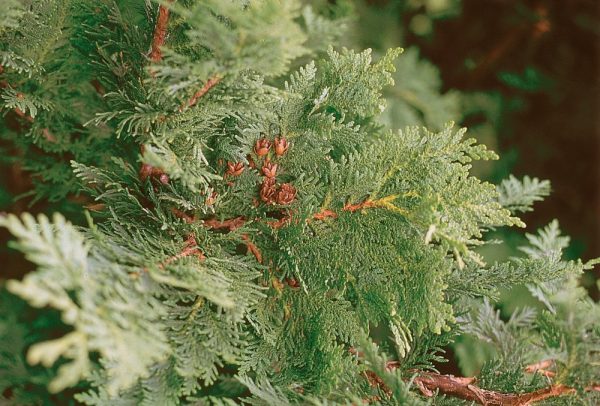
(566, 333)
(265, 39)
(19, 329)
(12, 11)
(419, 101)
(47, 95)
(519, 196)
(531, 80)
(166, 302)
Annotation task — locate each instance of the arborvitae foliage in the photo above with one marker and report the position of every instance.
(251, 242)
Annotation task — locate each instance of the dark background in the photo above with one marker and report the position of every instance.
(556, 131)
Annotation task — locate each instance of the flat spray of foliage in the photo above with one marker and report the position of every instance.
(255, 239)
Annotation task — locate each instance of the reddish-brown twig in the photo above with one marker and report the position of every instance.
(285, 219)
(191, 248)
(96, 206)
(210, 83)
(354, 207)
(98, 87)
(375, 381)
(541, 368)
(21, 114)
(323, 214)
(252, 248)
(184, 216)
(229, 224)
(45, 131)
(429, 383)
(158, 40)
(463, 388)
(160, 33)
(359, 206)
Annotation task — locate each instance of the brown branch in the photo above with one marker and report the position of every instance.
(184, 216)
(210, 83)
(158, 40)
(326, 213)
(376, 382)
(429, 383)
(160, 33)
(359, 206)
(229, 224)
(284, 220)
(191, 248)
(277, 224)
(252, 248)
(541, 368)
(464, 389)
(45, 131)
(96, 207)
(384, 202)
(98, 87)
(48, 135)
(21, 114)
(323, 214)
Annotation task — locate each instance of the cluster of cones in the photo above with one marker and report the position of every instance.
(269, 191)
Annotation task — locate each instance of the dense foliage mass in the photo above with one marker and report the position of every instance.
(256, 232)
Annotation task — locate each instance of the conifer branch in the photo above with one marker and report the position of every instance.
(159, 342)
(160, 33)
